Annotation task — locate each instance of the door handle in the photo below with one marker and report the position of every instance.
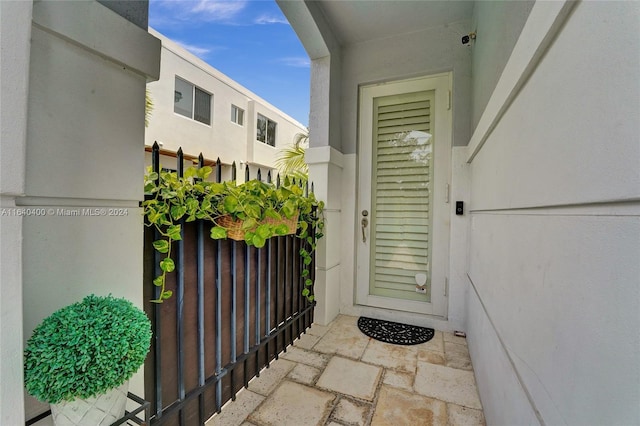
(364, 223)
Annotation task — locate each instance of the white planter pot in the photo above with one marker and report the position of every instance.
(101, 410)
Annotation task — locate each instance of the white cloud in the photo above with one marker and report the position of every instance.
(200, 52)
(270, 19)
(218, 10)
(202, 10)
(296, 61)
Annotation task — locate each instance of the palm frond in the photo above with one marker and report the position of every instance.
(290, 161)
(148, 107)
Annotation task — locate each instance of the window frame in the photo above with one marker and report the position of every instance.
(267, 120)
(234, 117)
(194, 92)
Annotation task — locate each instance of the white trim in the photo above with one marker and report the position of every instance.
(541, 28)
(323, 155)
(91, 21)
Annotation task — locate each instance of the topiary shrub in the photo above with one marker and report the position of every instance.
(85, 349)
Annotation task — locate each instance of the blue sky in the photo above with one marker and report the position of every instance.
(250, 41)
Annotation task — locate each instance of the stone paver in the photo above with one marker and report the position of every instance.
(336, 376)
(235, 412)
(306, 341)
(343, 338)
(457, 356)
(305, 374)
(351, 412)
(318, 330)
(452, 338)
(350, 378)
(398, 407)
(305, 357)
(271, 377)
(398, 379)
(436, 344)
(431, 357)
(292, 402)
(447, 384)
(397, 357)
(464, 416)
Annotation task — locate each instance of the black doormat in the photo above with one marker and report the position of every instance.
(394, 332)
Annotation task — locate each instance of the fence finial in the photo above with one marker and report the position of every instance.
(200, 161)
(269, 176)
(218, 170)
(259, 175)
(246, 173)
(180, 162)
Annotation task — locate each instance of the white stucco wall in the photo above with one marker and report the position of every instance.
(222, 139)
(15, 30)
(555, 228)
(78, 143)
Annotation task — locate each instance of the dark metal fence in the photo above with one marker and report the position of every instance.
(234, 309)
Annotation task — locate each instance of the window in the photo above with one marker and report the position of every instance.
(237, 115)
(192, 102)
(266, 131)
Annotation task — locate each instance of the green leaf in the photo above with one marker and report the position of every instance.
(258, 241)
(161, 245)
(178, 211)
(306, 260)
(272, 214)
(305, 272)
(166, 294)
(190, 172)
(173, 232)
(308, 282)
(204, 172)
(159, 281)
(218, 233)
(289, 209)
(263, 231)
(281, 229)
(249, 224)
(167, 265)
(306, 292)
(230, 204)
(253, 210)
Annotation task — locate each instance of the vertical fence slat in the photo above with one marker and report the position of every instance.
(234, 314)
(258, 321)
(267, 298)
(200, 278)
(247, 307)
(218, 368)
(155, 164)
(180, 297)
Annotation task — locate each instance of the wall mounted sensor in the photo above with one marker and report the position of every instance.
(459, 208)
(466, 39)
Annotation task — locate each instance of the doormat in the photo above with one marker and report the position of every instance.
(394, 332)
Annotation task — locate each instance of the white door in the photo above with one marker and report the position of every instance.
(403, 206)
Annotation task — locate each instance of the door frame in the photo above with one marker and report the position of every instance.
(441, 84)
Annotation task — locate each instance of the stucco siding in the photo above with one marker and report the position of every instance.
(423, 53)
(555, 231)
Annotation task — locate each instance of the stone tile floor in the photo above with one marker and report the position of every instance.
(335, 375)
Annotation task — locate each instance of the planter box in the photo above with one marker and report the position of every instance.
(234, 227)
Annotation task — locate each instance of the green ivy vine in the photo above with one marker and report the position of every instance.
(170, 199)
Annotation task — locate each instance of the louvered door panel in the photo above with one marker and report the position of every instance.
(402, 173)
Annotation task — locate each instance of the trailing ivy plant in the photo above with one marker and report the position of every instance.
(86, 349)
(171, 199)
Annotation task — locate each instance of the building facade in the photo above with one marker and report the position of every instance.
(200, 109)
